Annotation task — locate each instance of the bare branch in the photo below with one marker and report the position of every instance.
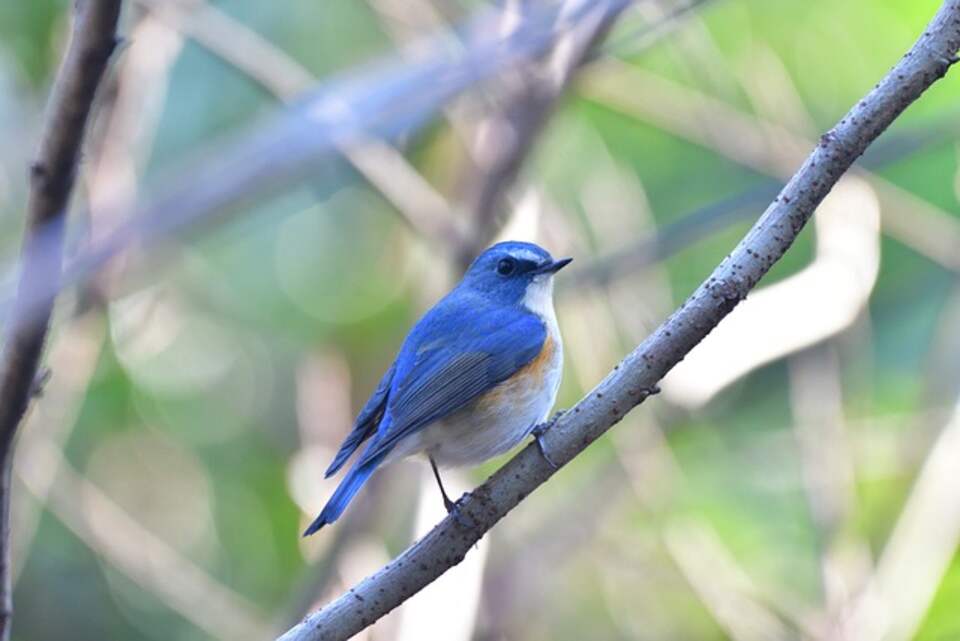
(73, 356)
(51, 182)
(632, 380)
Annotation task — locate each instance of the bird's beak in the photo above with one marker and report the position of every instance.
(552, 266)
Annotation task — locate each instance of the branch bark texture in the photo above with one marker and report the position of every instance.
(630, 382)
(51, 182)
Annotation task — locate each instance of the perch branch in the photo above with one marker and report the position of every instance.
(51, 181)
(631, 381)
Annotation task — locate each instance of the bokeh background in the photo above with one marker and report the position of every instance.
(797, 478)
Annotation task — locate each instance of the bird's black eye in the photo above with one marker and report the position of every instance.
(506, 266)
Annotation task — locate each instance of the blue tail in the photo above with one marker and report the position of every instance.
(352, 442)
(348, 487)
(365, 425)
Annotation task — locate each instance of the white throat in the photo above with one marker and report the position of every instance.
(539, 298)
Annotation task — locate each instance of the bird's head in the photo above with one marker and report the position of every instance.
(515, 273)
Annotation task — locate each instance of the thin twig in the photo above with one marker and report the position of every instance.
(667, 240)
(530, 102)
(73, 357)
(633, 379)
(634, 40)
(115, 149)
(51, 182)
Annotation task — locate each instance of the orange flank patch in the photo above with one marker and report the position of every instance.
(529, 378)
(537, 368)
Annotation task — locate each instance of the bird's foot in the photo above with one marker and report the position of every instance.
(539, 430)
(454, 510)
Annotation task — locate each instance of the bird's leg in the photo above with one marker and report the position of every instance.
(539, 430)
(447, 503)
(452, 507)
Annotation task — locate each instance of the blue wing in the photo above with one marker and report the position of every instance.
(460, 350)
(366, 423)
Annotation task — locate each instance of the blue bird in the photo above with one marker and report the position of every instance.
(474, 376)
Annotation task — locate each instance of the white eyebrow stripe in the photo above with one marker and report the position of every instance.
(526, 254)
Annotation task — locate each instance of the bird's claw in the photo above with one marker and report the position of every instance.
(543, 452)
(538, 431)
(454, 510)
(449, 505)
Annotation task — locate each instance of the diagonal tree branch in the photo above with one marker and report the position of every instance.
(51, 181)
(632, 380)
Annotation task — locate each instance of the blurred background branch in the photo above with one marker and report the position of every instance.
(504, 138)
(51, 183)
(383, 166)
(674, 237)
(764, 146)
